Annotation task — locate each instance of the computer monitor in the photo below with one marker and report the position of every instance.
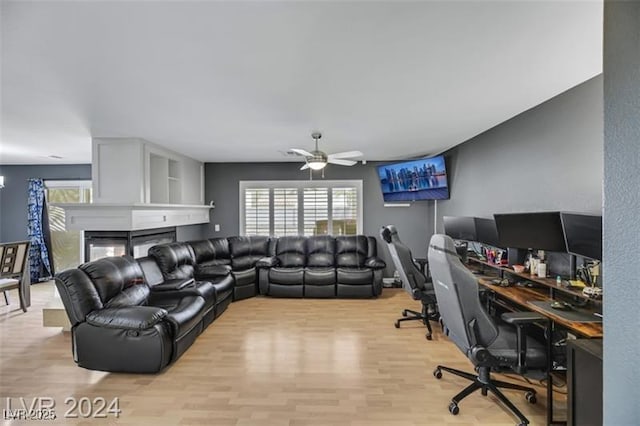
(486, 232)
(460, 227)
(540, 231)
(583, 234)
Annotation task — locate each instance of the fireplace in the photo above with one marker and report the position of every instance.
(98, 244)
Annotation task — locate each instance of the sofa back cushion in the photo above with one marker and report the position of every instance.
(221, 253)
(246, 251)
(291, 252)
(202, 250)
(118, 280)
(79, 295)
(174, 259)
(351, 251)
(321, 251)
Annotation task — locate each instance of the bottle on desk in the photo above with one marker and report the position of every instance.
(542, 270)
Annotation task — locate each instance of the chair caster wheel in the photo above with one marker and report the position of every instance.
(485, 391)
(428, 336)
(404, 313)
(453, 408)
(396, 324)
(437, 373)
(531, 397)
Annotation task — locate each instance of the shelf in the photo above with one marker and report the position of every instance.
(547, 282)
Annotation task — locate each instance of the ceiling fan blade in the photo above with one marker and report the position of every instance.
(301, 152)
(304, 166)
(347, 154)
(341, 162)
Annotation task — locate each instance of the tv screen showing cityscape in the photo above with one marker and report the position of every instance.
(423, 179)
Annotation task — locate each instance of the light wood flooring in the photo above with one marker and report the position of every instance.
(266, 361)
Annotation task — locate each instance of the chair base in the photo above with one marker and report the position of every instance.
(485, 384)
(424, 316)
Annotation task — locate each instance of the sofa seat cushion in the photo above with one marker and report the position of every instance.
(354, 276)
(223, 288)
(208, 270)
(286, 276)
(319, 276)
(245, 276)
(185, 315)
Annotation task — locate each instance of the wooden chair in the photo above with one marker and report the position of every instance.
(13, 270)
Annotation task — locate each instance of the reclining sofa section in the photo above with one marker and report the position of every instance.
(139, 315)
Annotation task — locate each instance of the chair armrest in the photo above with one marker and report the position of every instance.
(129, 318)
(212, 271)
(521, 318)
(375, 263)
(267, 262)
(172, 285)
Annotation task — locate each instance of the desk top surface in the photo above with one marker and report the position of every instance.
(522, 295)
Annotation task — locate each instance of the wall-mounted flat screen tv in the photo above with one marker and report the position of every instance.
(424, 179)
(583, 234)
(486, 232)
(539, 231)
(460, 227)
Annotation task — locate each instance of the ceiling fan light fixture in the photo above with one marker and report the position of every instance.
(317, 164)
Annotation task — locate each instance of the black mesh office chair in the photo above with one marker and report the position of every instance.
(489, 346)
(413, 280)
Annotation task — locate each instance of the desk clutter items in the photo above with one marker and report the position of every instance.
(495, 256)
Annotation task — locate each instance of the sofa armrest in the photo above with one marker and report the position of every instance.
(375, 263)
(129, 318)
(172, 285)
(267, 262)
(203, 272)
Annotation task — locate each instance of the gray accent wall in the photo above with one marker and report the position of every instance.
(13, 204)
(222, 187)
(621, 209)
(547, 158)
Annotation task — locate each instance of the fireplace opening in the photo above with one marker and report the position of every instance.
(99, 244)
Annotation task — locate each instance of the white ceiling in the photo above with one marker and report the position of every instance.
(245, 81)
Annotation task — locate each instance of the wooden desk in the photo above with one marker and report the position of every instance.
(543, 292)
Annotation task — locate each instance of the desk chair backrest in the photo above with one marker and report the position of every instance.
(456, 290)
(411, 276)
(13, 259)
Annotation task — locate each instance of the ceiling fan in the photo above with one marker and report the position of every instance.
(317, 160)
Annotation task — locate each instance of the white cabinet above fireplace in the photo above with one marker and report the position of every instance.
(139, 185)
(133, 170)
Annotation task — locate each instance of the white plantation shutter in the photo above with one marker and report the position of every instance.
(344, 211)
(285, 211)
(256, 211)
(282, 208)
(316, 211)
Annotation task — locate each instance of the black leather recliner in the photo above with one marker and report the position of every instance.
(358, 270)
(245, 254)
(176, 263)
(282, 275)
(320, 272)
(119, 325)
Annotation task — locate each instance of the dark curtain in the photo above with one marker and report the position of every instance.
(40, 254)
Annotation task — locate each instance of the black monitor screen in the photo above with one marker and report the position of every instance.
(486, 232)
(583, 234)
(541, 231)
(460, 228)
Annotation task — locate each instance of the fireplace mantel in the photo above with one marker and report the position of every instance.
(131, 217)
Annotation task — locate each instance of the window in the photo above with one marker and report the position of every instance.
(280, 208)
(67, 246)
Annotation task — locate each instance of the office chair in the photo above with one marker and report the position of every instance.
(413, 281)
(489, 346)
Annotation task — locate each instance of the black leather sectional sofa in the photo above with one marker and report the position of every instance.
(139, 315)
